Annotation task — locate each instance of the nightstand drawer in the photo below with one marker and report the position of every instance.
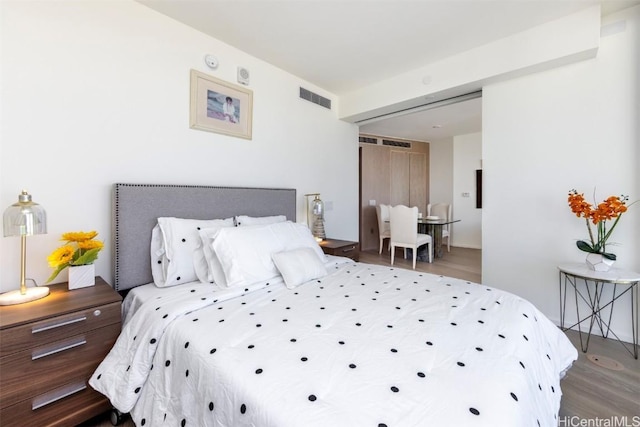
(57, 328)
(66, 411)
(350, 251)
(39, 370)
(343, 248)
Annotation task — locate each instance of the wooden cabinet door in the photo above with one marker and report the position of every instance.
(418, 181)
(400, 178)
(409, 179)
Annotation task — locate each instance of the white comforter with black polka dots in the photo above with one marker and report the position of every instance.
(364, 346)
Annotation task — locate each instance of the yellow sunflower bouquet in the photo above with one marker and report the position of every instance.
(79, 249)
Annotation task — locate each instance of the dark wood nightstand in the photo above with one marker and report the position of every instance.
(341, 248)
(48, 350)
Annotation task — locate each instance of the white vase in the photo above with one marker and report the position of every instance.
(598, 262)
(81, 276)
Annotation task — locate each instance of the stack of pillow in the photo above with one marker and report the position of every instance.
(234, 252)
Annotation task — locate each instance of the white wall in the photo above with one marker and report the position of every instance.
(467, 155)
(98, 92)
(545, 134)
(453, 162)
(441, 171)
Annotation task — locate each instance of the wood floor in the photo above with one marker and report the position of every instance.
(461, 263)
(593, 392)
(592, 395)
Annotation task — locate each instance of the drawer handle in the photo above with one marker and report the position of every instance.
(48, 351)
(348, 249)
(58, 324)
(56, 395)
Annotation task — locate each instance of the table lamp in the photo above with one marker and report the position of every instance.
(315, 216)
(24, 218)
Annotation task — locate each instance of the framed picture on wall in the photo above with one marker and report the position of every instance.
(219, 106)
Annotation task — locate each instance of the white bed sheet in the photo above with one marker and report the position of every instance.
(365, 346)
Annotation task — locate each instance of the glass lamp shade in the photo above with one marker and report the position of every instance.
(317, 228)
(315, 215)
(24, 218)
(318, 207)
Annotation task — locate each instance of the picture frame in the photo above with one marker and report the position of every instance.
(219, 106)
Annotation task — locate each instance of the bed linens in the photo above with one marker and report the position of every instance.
(137, 296)
(173, 242)
(298, 266)
(245, 220)
(364, 346)
(141, 294)
(124, 371)
(245, 253)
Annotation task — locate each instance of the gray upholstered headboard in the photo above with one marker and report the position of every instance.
(136, 208)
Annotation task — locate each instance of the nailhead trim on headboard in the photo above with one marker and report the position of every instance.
(136, 208)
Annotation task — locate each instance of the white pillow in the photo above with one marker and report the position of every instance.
(245, 253)
(159, 263)
(201, 266)
(212, 270)
(298, 266)
(181, 239)
(295, 235)
(242, 220)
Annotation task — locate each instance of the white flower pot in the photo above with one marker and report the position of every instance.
(597, 262)
(82, 276)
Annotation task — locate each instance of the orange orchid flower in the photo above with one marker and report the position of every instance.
(611, 208)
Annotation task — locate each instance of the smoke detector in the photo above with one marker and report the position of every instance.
(211, 61)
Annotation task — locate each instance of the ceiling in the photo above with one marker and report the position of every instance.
(344, 45)
(431, 125)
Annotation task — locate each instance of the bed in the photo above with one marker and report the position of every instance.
(297, 338)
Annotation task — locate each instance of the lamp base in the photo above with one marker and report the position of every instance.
(15, 297)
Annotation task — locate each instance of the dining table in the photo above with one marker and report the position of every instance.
(433, 227)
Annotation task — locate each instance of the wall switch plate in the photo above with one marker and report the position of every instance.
(372, 202)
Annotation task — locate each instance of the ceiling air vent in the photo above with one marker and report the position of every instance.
(315, 98)
(393, 143)
(368, 140)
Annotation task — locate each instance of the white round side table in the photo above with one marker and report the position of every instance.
(623, 282)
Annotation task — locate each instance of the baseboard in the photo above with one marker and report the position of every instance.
(464, 246)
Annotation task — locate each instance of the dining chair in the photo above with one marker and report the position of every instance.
(404, 232)
(442, 210)
(384, 228)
